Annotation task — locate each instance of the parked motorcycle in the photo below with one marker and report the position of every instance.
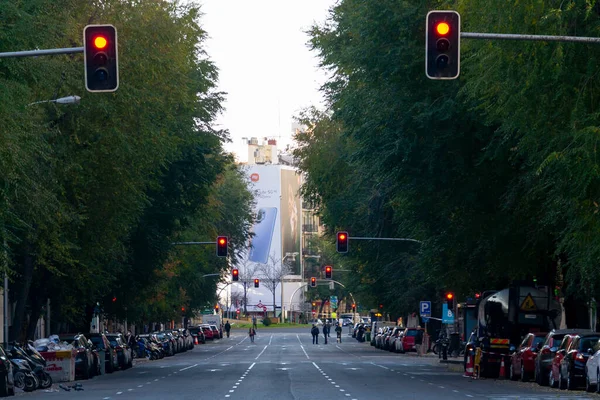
(34, 362)
(23, 376)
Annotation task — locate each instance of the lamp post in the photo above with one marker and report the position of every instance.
(293, 255)
(61, 100)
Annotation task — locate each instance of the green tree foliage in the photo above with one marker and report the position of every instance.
(93, 194)
(495, 173)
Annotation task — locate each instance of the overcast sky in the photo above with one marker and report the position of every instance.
(264, 64)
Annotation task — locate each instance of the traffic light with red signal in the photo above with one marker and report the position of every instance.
(442, 45)
(342, 242)
(222, 242)
(100, 54)
(235, 275)
(328, 270)
(256, 282)
(313, 282)
(450, 301)
(353, 307)
(217, 308)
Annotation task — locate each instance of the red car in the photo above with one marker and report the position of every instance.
(208, 333)
(560, 353)
(522, 361)
(408, 339)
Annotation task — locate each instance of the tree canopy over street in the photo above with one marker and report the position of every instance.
(497, 172)
(93, 195)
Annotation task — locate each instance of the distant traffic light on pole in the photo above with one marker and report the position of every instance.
(222, 242)
(442, 45)
(313, 282)
(450, 301)
(328, 272)
(100, 54)
(256, 283)
(342, 242)
(216, 307)
(235, 275)
(353, 307)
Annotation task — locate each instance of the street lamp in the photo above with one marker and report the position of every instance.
(293, 255)
(61, 100)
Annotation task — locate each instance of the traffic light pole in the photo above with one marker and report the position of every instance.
(190, 243)
(380, 238)
(539, 38)
(37, 53)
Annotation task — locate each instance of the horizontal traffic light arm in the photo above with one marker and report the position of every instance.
(37, 53)
(191, 243)
(380, 238)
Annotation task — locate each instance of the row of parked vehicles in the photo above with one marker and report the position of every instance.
(22, 367)
(396, 339)
(565, 359)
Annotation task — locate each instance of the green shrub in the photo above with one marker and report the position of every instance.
(266, 321)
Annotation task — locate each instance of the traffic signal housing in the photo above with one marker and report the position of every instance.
(442, 44)
(342, 242)
(313, 282)
(235, 275)
(328, 271)
(450, 301)
(222, 242)
(216, 307)
(101, 61)
(353, 307)
(256, 282)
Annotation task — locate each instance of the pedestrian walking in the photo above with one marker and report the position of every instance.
(338, 330)
(251, 333)
(227, 328)
(315, 334)
(325, 332)
(254, 322)
(419, 340)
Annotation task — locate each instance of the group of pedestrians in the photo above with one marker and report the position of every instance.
(326, 333)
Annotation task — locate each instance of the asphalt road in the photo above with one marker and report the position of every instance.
(284, 364)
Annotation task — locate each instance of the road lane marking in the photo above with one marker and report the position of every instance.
(191, 366)
(302, 347)
(263, 350)
(271, 338)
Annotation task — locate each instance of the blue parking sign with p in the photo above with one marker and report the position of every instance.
(425, 309)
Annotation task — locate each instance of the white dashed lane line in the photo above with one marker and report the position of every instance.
(331, 381)
(239, 381)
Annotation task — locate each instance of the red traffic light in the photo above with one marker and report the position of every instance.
(235, 274)
(477, 295)
(183, 309)
(114, 299)
(328, 270)
(256, 283)
(100, 42)
(222, 246)
(449, 296)
(313, 281)
(217, 307)
(442, 28)
(342, 242)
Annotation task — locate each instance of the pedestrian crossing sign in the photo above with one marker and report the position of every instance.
(528, 304)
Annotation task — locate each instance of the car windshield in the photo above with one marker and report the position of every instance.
(410, 332)
(587, 343)
(97, 340)
(537, 340)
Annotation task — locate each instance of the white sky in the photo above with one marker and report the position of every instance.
(264, 64)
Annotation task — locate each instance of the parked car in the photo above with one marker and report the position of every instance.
(208, 333)
(543, 361)
(215, 331)
(84, 360)
(408, 339)
(111, 362)
(592, 369)
(117, 341)
(555, 380)
(522, 361)
(197, 333)
(572, 365)
(7, 382)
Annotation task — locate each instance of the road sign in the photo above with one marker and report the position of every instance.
(425, 319)
(260, 305)
(333, 300)
(447, 315)
(425, 308)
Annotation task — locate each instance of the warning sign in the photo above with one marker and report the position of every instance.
(528, 304)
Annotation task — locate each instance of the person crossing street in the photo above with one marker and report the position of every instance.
(338, 330)
(315, 334)
(227, 328)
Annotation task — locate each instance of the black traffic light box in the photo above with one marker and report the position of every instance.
(101, 61)
(342, 242)
(256, 283)
(222, 242)
(235, 275)
(442, 44)
(313, 282)
(328, 270)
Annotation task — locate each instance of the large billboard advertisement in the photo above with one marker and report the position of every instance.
(291, 212)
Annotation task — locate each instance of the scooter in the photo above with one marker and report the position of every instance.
(23, 376)
(34, 361)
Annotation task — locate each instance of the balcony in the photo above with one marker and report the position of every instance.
(310, 228)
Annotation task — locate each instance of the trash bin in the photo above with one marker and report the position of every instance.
(454, 346)
(368, 336)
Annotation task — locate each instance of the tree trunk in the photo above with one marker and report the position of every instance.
(275, 308)
(23, 295)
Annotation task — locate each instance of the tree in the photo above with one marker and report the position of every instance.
(272, 274)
